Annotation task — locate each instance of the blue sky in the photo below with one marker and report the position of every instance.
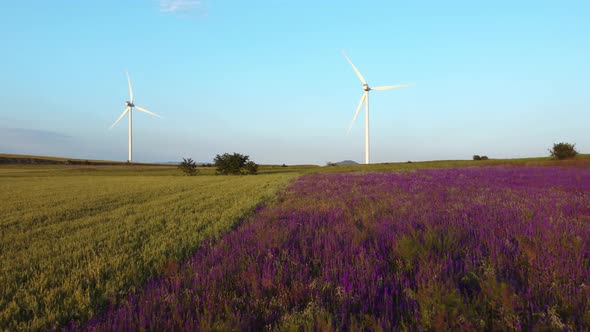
(265, 78)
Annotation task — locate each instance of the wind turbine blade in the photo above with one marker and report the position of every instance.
(358, 73)
(120, 117)
(139, 108)
(130, 90)
(389, 87)
(358, 109)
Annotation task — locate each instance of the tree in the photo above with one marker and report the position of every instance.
(234, 164)
(188, 166)
(563, 151)
(476, 157)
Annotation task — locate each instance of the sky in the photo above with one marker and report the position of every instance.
(505, 79)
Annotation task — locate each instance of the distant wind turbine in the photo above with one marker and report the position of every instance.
(365, 99)
(130, 105)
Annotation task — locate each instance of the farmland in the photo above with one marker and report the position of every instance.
(76, 238)
(430, 245)
(461, 249)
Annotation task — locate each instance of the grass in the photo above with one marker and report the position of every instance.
(75, 238)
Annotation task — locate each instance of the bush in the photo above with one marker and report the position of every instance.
(476, 157)
(188, 166)
(234, 164)
(484, 158)
(563, 151)
(250, 168)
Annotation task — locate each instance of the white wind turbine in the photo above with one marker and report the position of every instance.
(365, 98)
(130, 105)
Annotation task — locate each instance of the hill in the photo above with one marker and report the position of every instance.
(346, 163)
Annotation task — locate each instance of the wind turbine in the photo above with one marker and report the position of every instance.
(365, 99)
(129, 109)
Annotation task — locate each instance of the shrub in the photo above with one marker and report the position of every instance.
(188, 166)
(563, 151)
(250, 168)
(476, 157)
(484, 158)
(234, 164)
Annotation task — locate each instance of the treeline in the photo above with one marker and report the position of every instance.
(225, 164)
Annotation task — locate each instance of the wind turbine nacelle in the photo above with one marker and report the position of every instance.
(129, 104)
(366, 87)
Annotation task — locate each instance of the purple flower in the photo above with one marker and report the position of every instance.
(466, 248)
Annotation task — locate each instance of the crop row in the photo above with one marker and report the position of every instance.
(70, 245)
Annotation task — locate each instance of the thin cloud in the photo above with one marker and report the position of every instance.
(31, 134)
(34, 141)
(182, 7)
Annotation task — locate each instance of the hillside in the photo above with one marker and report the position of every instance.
(45, 160)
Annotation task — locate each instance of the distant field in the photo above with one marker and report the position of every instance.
(74, 238)
(105, 167)
(580, 161)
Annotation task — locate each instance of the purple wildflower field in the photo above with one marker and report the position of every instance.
(481, 248)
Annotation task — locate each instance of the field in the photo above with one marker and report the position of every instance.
(469, 248)
(72, 242)
(431, 246)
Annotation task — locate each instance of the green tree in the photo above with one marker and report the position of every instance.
(188, 166)
(234, 164)
(563, 151)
